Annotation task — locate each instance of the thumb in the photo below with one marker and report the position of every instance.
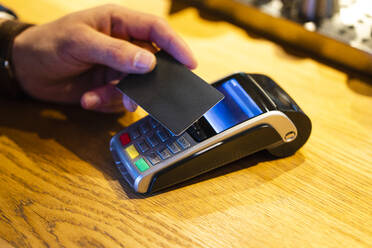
(117, 54)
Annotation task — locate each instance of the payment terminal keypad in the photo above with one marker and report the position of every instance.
(147, 143)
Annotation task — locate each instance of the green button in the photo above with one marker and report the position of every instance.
(142, 165)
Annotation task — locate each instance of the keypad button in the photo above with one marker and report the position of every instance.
(154, 123)
(201, 130)
(164, 153)
(154, 158)
(171, 134)
(142, 165)
(174, 135)
(132, 152)
(134, 133)
(142, 145)
(174, 148)
(163, 136)
(144, 128)
(198, 134)
(124, 139)
(153, 141)
(183, 142)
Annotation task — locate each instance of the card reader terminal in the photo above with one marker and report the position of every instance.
(256, 114)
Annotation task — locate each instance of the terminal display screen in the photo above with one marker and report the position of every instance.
(236, 107)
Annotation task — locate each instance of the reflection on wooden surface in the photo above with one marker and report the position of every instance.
(59, 188)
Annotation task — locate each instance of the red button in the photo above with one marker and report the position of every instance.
(124, 139)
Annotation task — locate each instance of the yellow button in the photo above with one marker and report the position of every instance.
(132, 151)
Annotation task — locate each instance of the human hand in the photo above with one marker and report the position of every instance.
(81, 56)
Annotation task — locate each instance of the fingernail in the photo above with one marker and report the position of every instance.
(134, 106)
(91, 100)
(144, 60)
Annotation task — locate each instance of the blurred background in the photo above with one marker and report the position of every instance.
(337, 30)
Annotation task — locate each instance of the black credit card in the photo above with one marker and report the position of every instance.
(171, 93)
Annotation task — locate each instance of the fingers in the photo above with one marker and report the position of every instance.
(106, 99)
(147, 27)
(145, 45)
(97, 48)
(92, 46)
(129, 104)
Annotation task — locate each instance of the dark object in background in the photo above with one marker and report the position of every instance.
(310, 10)
(338, 30)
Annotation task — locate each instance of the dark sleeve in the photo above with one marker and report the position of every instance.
(9, 29)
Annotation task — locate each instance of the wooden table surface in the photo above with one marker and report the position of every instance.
(59, 187)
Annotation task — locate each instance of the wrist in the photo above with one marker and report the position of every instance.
(9, 86)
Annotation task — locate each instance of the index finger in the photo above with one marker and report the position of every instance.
(148, 27)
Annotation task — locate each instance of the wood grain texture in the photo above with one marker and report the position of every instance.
(59, 188)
